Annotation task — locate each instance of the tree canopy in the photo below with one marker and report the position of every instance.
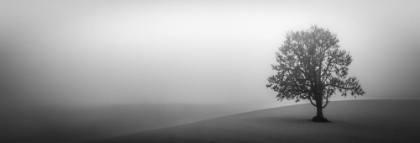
(312, 66)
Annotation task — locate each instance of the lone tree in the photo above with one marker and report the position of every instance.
(311, 66)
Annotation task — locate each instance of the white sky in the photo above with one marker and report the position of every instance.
(105, 52)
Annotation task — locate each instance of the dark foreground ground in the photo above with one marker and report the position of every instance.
(352, 121)
(57, 124)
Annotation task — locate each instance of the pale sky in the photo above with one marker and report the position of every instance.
(112, 52)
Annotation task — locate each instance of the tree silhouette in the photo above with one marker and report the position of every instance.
(311, 66)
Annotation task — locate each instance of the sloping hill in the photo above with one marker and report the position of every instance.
(51, 124)
(352, 121)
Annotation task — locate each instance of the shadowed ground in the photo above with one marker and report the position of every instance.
(52, 124)
(352, 121)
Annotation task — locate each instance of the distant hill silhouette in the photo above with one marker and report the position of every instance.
(353, 121)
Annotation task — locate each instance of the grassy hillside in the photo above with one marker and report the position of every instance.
(78, 124)
(352, 121)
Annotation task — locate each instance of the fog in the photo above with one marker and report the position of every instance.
(87, 54)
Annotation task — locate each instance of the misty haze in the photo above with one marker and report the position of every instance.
(207, 71)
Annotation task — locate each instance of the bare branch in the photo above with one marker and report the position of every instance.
(326, 103)
(310, 99)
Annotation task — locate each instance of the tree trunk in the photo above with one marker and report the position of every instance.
(319, 115)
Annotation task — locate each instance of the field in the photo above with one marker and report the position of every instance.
(59, 124)
(352, 121)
